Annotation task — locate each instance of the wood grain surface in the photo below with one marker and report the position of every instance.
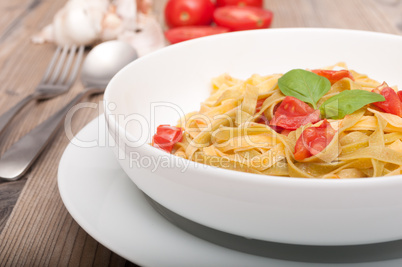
(35, 227)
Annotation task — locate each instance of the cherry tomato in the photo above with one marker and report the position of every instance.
(184, 33)
(256, 3)
(400, 95)
(188, 12)
(334, 75)
(293, 113)
(286, 132)
(262, 119)
(242, 18)
(392, 103)
(313, 140)
(166, 137)
(259, 105)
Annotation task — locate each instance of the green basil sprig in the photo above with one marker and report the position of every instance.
(310, 87)
(304, 85)
(347, 102)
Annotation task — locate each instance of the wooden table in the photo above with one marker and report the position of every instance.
(35, 227)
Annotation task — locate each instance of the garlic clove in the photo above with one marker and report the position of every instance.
(149, 36)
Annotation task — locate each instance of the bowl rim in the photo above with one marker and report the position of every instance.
(232, 175)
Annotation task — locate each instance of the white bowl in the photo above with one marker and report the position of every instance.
(162, 86)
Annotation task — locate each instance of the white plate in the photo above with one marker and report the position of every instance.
(106, 204)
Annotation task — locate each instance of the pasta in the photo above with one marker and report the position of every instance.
(233, 130)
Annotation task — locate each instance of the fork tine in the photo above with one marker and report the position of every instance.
(76, 66)
(67, 66)
(51, 64)
(60, 63)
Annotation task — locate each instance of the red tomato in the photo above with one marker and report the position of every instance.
(166, 137)
(259, 105)
(293, 113)
(188, 12)
(263, 120)
(242, 18)
(286, 132)
(184, 33)
(400, 95)
(313, 140)
(334, 75)
(256, 3)
(392, 103)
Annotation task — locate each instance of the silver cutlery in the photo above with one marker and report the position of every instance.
(58, 78)
(100, 65)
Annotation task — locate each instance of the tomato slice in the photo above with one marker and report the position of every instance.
(313, 140)
(392, 103)
(166, 137)
(180, 34)
(334, 75)
(259, 105)
(293, 113)
(256, 3)
(238, 18)
(400, 95)
(263, 120)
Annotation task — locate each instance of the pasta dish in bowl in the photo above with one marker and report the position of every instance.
(284, 147)
(262, 125)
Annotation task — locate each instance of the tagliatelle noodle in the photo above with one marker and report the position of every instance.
(227, 132)
(269, 104)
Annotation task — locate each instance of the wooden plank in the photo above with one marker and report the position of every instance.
(8, 197)
(367, 15)
(391, 11)
(40, 231)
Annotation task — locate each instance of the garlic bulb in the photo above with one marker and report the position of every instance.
(121, 17)
(78, 22)
(89, 22)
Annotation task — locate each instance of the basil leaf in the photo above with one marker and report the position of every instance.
(347, 102)
(304, 85)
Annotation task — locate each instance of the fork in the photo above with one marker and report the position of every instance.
(58, 78)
